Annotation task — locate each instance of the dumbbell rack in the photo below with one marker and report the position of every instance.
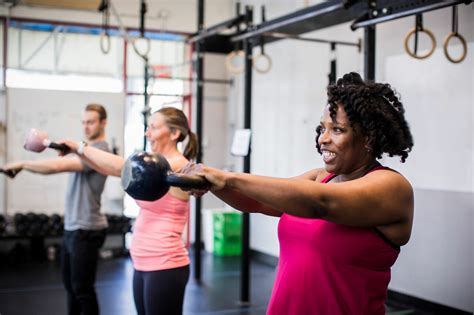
(30, 227)
(37, 228)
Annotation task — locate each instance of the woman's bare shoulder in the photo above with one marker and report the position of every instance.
(178, 163)
(317, 174)
(391, 179)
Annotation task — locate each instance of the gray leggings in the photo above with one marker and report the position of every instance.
(160, 292)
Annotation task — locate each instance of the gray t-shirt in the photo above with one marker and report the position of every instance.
(83, 198)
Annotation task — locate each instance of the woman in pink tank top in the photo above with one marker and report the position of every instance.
(340, 226)
(159, 256)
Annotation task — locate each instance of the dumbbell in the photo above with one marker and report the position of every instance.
(21, 224)
(44, 224)
(148, 176)
(34, 224)
(37, 140)
(56, 223)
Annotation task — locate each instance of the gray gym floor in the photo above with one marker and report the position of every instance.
(35, 288)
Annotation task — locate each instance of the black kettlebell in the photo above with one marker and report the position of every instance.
(148, 176)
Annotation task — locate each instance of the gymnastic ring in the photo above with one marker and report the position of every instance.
(446, 43)
(430, 35)
(229, 64)
(105, 48)
(265, 57)
(148, 46)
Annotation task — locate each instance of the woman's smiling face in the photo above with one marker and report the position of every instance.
(158, 133)
(343, 146)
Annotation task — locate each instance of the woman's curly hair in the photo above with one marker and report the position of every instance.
(376, 109)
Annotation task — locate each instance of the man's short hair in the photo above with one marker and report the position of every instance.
(97, 108)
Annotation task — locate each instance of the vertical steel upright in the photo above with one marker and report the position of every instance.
(369, 53)
(369, 45)
(199, 108)
(245, 261)
(146, 109)
(333, 71)
(6, 25)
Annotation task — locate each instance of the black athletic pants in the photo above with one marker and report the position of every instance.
(79, 265)
(160, 292)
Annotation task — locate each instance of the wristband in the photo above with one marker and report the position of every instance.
(80, 148)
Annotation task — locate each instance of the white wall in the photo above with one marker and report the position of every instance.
(59, 113)
(437, 263)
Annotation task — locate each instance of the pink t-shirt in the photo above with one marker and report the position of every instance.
(327, 268)
(157, 234)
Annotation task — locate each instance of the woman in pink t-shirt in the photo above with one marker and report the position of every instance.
(340, 226)
(159, 256)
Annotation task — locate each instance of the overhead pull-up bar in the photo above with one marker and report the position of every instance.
(385, 11)
(215, 29)
(319, 16)
(212, 81)
(315, 40)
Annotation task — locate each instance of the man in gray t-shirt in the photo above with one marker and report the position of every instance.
(85, 226)
(83, 198)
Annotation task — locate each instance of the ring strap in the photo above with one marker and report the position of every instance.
(454, 33)
(417, 29)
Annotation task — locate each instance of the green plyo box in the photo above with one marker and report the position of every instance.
(227, 233)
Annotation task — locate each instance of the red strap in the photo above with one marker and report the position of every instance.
(327, 178)
(331, 175)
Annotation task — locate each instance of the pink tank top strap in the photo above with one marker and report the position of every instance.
(376, 168)
(328, 178)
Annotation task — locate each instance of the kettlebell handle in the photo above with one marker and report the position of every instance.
(187, 181)
(59, 146)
